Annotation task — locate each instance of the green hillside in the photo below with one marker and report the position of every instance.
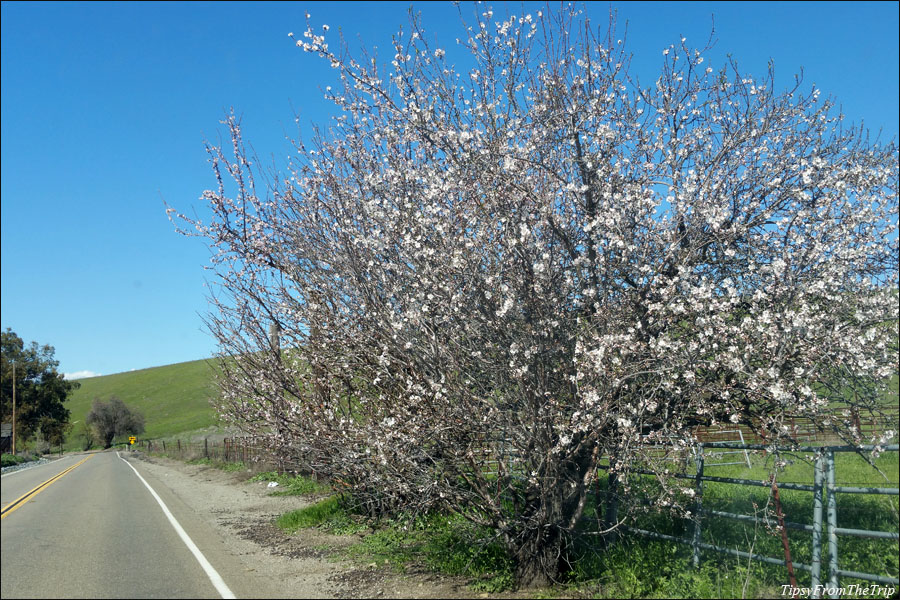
(174, 399)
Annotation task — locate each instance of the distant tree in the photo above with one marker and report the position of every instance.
(113, 418)
(40, 389)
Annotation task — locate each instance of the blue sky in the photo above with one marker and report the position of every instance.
(105, 108)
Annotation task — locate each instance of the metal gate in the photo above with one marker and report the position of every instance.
(825, 531)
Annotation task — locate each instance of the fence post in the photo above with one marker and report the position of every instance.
(206, 448)
(816, 566)
(743, 443)
(784, 537)
(698, 508)
(612, 503)
(832, 525)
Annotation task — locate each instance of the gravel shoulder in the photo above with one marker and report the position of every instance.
(307, 564)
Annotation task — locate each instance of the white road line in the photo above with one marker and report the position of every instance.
(213, 575)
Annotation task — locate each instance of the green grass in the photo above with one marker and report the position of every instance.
(455, 546)
(9, 460)
(441, 543)
(292, 485)
(329, 514)
(228, 467)
(638, 567)
(613, 573)
(173, 399)
(232, 467)
(850, 468)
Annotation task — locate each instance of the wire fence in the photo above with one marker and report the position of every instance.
(824, 527)
(252, 452)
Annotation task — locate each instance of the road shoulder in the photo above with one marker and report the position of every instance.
(259, 560)
(217, 510)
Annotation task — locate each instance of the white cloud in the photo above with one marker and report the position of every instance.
(81, 375)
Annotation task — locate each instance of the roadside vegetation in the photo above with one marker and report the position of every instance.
(293, 485)
(228, 467)
(444, 543)
(633, 566)
(28, 373)
(10, 460)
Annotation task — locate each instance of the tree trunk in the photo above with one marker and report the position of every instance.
(543, 556)
(538, 559)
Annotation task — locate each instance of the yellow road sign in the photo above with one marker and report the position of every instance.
(132, 439)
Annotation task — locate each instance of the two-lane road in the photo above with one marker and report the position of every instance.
(97, 531)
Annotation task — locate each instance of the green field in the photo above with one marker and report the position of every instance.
(174, 399)
(621, 570)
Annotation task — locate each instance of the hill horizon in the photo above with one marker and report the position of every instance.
(174, 399)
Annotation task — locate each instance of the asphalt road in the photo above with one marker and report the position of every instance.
(98, 532)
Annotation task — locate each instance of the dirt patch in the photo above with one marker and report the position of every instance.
(308, 544)
(307, 564)
(378, 581)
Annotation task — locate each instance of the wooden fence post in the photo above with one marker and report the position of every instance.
(784, 538)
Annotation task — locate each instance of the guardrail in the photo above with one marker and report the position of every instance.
(824, 492)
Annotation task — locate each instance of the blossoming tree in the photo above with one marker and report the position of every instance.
(473, 286)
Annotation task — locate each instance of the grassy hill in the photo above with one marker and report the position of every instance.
(174, 399)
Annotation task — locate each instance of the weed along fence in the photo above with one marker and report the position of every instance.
(825, 527)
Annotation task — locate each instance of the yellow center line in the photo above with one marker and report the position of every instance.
(9, 508)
